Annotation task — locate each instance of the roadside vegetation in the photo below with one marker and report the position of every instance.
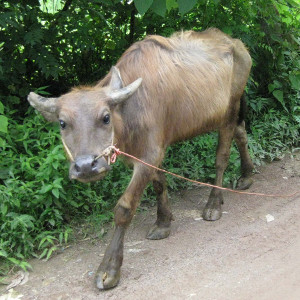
(50, 46)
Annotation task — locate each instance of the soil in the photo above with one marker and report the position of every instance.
(252, 252)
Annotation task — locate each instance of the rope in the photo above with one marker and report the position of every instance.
(112, 153)
(106, 152)
(115, 152)
(67, 150)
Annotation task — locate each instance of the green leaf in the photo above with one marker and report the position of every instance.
(51, 250)
(3, 253)
(13, 99)
(55, 192)
(45, 188)
(186, 5)
(271, 87)
(33, 37)
(66, 234)
(43, 253)
(56, 183)
(14, 261)
(4, 209)
(227, 30)
(73, 203)
(1, 108)
(25, 265)
(142, 5)
(107, 2)
(295, 81)
(297, 118)
(60, 238)
(111, 45)
(3, 124)
(171, 4)
(47, 240)
(159, 7)
(278, 94)
(293, 3)
(24, 221)
(41, 90)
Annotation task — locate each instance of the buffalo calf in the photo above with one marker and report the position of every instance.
(162, 90)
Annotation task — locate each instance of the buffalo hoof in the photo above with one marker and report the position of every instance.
(244, 183)
(213, 208)
(158, 233)
(212, 213)
(107, 280)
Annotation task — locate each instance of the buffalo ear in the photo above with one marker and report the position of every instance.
(46, 106)
(116, 81)
(116, 90)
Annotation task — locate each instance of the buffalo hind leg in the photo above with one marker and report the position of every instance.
(162, 226)
(108, 274)
(240, 137)
(213, 210)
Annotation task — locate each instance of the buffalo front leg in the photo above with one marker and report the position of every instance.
(162, 226)
(108, 274)
(240, 137)
(213, 209)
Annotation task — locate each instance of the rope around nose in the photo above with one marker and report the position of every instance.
(114, 152)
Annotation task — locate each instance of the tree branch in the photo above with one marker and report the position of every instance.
(132, 26)
(67, 5)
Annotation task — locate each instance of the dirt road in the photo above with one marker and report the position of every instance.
(253, 252)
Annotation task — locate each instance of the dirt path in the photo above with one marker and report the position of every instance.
(242, 256)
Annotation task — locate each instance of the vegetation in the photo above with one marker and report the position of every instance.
(50, 46)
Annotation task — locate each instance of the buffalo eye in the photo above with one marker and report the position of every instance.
(106, 119)
(62, 124)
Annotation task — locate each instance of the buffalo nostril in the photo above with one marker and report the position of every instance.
(77, 168)
(86, 166)
(94, 164)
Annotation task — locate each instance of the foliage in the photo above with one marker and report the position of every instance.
(57, 44)
(36, 197)
(3, 123)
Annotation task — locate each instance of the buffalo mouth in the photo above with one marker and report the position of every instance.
(87, 179)
(86, 168)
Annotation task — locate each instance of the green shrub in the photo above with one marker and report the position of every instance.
(37, 200)
(77, 42)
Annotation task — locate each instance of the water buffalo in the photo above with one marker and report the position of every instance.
(162, 90)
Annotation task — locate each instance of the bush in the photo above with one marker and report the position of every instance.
(37, 198)
(77, 42)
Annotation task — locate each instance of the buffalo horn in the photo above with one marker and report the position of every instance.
(117, 96)
(46, 106)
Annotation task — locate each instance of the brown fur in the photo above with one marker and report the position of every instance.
(192, 84)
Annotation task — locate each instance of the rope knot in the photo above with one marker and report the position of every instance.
(111, 152)
(108, 151)
(115, 153)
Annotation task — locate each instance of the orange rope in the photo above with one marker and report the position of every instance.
(119, 152)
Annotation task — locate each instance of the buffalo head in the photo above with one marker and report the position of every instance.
(86, 118)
